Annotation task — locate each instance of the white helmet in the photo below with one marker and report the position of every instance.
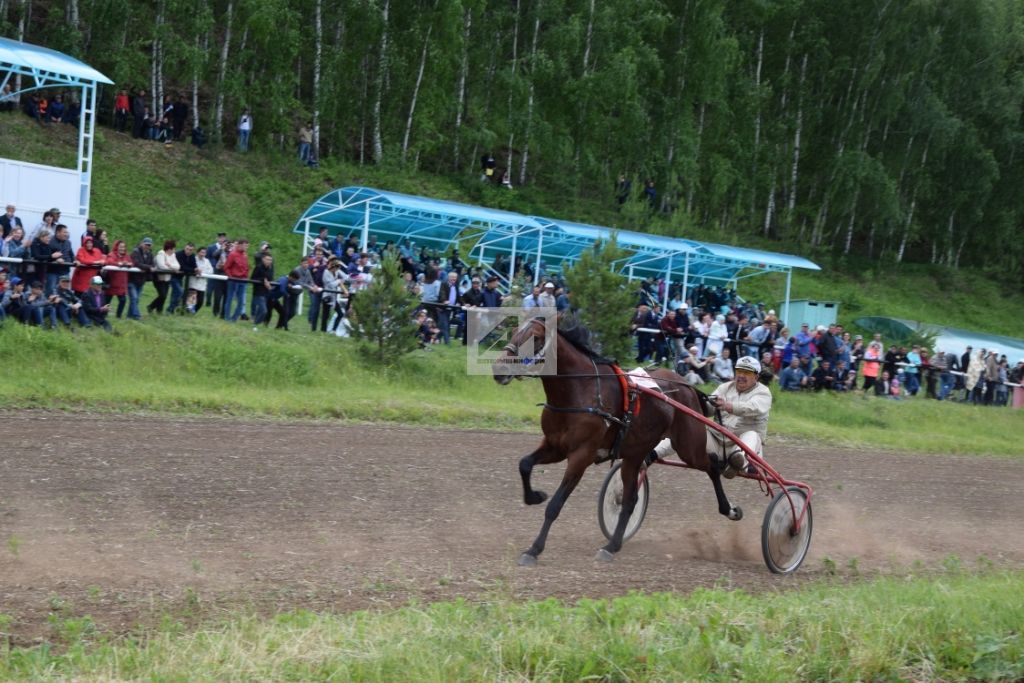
(750, 364)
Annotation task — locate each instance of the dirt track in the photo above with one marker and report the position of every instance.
(127, 518)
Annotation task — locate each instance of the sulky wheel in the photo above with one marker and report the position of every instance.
(609, 503)
(783, 549)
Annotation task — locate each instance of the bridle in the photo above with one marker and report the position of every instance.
(512, 347)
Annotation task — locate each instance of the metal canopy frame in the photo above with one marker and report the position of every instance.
(47, 69)
(440, 223)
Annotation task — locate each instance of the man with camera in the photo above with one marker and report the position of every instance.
(745, 404)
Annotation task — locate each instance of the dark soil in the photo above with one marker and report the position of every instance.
(130, 519)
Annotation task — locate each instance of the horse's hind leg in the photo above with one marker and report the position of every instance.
(733, 512)
(573, 472)
(630, 470)
(542, 456)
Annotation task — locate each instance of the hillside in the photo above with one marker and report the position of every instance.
(142, 188)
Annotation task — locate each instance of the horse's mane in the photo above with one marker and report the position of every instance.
(578, 335)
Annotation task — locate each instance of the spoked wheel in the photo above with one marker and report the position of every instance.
(609, 503)
(784, 550)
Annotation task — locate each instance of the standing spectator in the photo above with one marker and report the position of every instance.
(448, 299)
(103, 241)
(675, 332)
(9, 221)
(651, 194)
(492, 297)
(164, 264)
(186, 259)
(244, 130)
(856, 354)
(13, 246)
(121, 109)
(305, 141)
(90, 231)
(216, 253)
(333, 291)
(88, 262)
(643, 318)
(286, 291)
(179, 117)
(236, 267)
(313, 281)
(623, 187)
(717, 334)
(532, 300)
(262, 277)
(547, 296)
(872, 364)
(139, 112)
(976, 378)
(143, 259)
(62, 258)
(197, 283)
(991, 376)
(95, 305)
(911, 378)
(487, 166)
(940, 364)
(117, 280)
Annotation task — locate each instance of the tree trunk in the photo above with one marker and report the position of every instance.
(796, 139)
(24, 16)
(382, 67)
(467, 22)
(696, 158)
(512, 86)
(582, 106)
(317, 66)
(529, 102)
(415, 93)
(362, 119)
(850, 223)
(906, 228)
(757, 121)
(949, 246)
(222, 70)
(195, 79)
(72, 12)
(770, 209)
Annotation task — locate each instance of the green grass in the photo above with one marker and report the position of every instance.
(913, 424)
(202, 365)
(953, 627)
(143, 188)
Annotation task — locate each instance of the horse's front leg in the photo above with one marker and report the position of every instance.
(733, 512)
(630, 472)
(578, 462)
(544, 455)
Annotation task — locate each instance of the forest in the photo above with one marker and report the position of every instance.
(885, 130)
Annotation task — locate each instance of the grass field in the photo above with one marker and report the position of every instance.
(954, 626)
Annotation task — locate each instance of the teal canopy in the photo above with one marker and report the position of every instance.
(549, 242)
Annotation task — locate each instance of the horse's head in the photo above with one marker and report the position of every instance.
(525, 352)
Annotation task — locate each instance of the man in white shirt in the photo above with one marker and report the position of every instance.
(745, 404)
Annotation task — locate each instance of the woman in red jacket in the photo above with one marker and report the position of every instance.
(117, 280)
(88, 262)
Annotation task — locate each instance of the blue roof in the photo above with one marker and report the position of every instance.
(395, 216)
(46, 62)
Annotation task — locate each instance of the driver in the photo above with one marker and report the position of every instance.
(745, 404)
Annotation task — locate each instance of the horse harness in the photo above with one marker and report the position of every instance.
(630, 409)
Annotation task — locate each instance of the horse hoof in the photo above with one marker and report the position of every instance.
(536, 497)
(604, 556)
(527, 560)
(736, 513)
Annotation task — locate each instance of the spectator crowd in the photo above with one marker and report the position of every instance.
(704, 335)
(46, 280)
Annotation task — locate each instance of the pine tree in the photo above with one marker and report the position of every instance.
(600, 296)
(383, 314)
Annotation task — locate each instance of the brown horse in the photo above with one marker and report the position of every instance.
(583, 415)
